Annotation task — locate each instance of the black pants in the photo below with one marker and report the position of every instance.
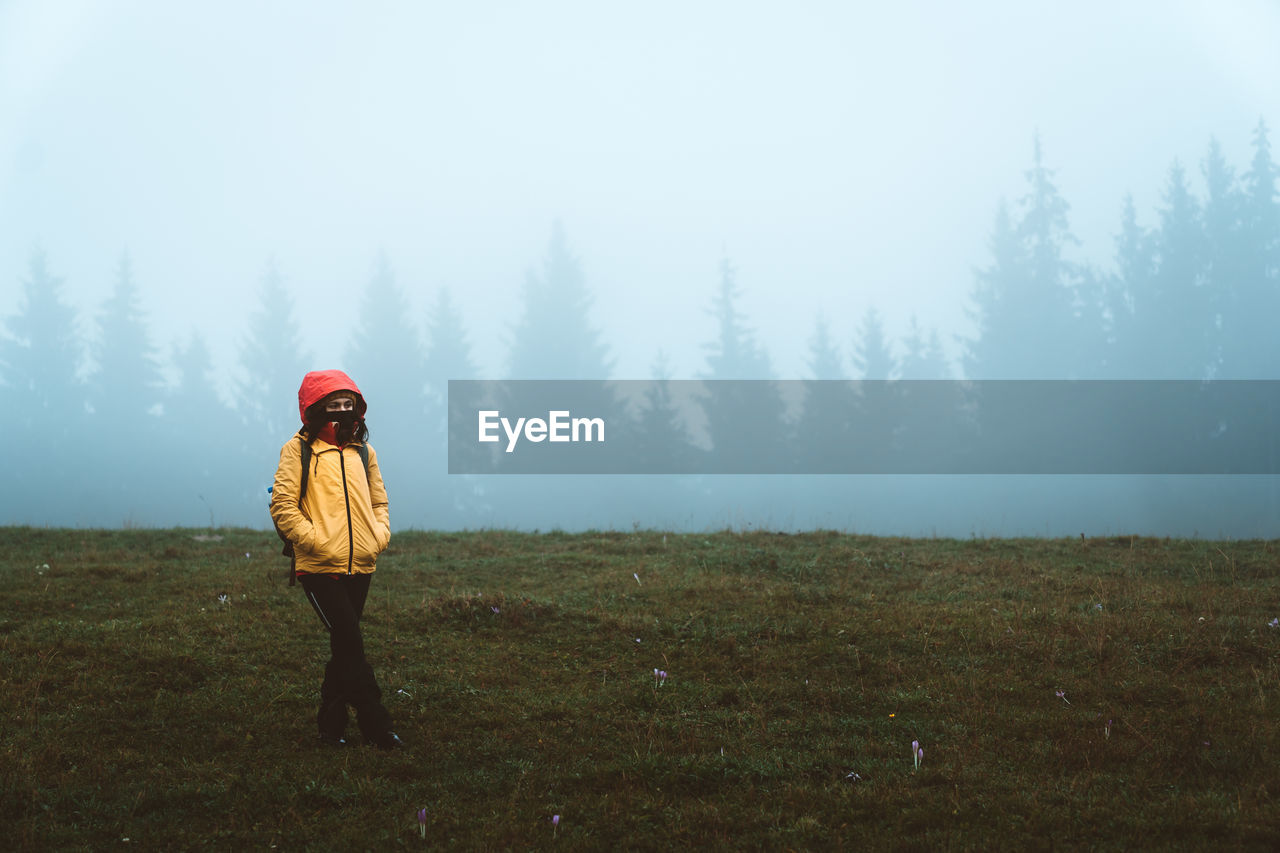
(348, 678)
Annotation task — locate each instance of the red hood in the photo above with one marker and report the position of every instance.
(318, 384)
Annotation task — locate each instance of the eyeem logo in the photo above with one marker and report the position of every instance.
(557, 427)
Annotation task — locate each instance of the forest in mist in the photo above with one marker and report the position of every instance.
(106, 429)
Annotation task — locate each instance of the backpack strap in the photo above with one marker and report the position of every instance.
(305, 449)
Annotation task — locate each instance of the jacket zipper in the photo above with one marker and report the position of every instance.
(346, 499)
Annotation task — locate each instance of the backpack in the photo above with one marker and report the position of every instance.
(305, 448)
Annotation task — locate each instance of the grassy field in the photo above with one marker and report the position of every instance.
(158, 690)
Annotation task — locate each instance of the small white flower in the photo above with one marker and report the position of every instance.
(224, 598)
(636, 576)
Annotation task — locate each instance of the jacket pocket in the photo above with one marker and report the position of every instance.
(367, 544)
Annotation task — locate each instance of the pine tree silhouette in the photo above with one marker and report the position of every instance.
(126, 385)
(195, 419)
(385, 358)
(830, 405)
(1026, 304)
(453, 501)
(746, 424)
(662, 439)
(40, 354)
(923, 358)
(40, 357)
(1135, 267)
(554, 337)
(876, 409)
(272, 362)
(1251, 289)
(448, 354)
(1173, 314)
(824, 355)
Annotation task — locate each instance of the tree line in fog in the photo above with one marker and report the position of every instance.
(103, 439)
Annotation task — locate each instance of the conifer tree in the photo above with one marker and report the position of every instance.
(40, 357)
(829, 404)
(745, 423)
(194, 400)
(194, 421)
(40, 354)
(272, 362)
(662, 438)
(385, 353)
(385, 359)
(126, 385)
(997, 303)
(554, 337)
(1026, 304)
(1135, 266)
(1174, 316)
(1250, 346)
(877, 409)
(448, 354)
(931, 424)
(923, 358)
(449, 430)
(824, 355)
(872, 358)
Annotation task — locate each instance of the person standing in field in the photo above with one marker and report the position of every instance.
(335, 515)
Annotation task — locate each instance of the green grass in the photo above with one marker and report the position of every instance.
(138, 706)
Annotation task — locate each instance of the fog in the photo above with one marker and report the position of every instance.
(418, 192)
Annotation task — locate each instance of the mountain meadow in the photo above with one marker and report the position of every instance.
(646, 690)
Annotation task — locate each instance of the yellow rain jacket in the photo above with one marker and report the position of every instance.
(343, 523)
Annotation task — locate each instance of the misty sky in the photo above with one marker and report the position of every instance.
(840, 154)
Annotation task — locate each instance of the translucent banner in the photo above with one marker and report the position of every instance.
(864, 427)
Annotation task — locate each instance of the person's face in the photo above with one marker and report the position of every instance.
(341, 404)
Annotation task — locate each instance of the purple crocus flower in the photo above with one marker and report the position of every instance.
(422, 823)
